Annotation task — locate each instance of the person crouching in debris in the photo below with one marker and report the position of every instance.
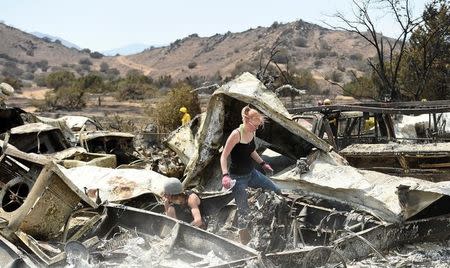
(241, 146)
(181, 205)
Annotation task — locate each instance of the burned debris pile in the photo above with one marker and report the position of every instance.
(75, 194)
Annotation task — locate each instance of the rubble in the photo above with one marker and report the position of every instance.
(99, 204)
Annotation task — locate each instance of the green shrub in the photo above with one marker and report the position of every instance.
(96, 55)
(10, 69)
(301, 42)
(15, 83)
(92, 82)
(164, 81)
(66, 98)
(356, 57)
(27, 76)
(43, 64)
(104, 67)
(362, 87)
(321, 54)
(60, 79)
(274, 25)
(167, 112)
(128, 90)
(324, 45)
(336, 76)
(112, 74)
(85, 61)
(192, 65)
(281, 57)
(40, 80)
(318, 63)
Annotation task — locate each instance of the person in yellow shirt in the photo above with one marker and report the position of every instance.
(186, 116)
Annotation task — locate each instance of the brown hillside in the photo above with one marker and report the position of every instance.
(305, 45)
(28, 48)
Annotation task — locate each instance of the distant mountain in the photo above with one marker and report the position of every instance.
(126, 50)
(54, 38)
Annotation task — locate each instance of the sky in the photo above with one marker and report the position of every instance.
(107, 24)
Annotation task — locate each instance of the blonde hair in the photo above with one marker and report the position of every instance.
(248, 113)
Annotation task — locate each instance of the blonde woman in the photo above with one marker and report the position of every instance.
(241, 146)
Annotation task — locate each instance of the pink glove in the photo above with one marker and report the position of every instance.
(226, 181)
(267, 168)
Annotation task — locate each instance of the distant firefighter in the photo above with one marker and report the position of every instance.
(186, 116)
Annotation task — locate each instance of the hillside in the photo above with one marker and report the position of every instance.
(24, 55)
(303, 45)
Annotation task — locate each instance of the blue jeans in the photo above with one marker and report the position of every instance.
(254, 180)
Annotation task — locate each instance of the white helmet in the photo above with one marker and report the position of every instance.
(173, 186)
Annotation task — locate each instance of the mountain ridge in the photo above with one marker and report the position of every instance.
(301, 45)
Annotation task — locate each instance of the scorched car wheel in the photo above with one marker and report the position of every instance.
(13, 194)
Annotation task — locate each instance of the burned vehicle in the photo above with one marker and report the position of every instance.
(351, 212)
(87, 133)
(403, 139)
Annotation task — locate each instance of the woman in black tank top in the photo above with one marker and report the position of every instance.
(240, 146)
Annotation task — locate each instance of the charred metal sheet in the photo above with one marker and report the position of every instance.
(116, 184)
(223, 115)
(367, 190)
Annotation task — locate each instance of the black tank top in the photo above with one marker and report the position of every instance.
(241, 162)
